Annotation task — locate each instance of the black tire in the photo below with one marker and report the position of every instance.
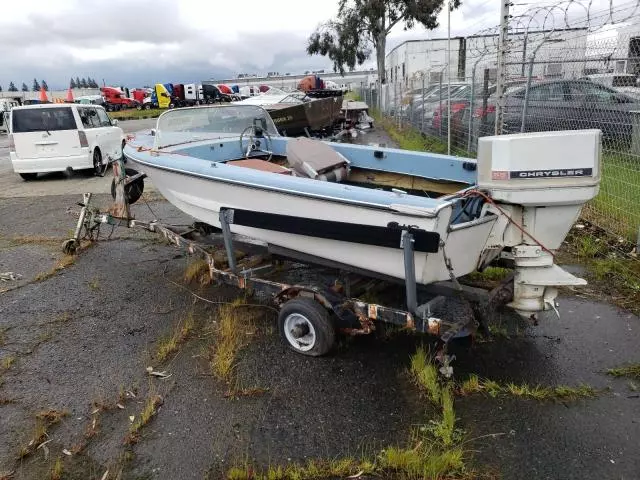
(138, 107)
(133, 191)
(109, 108)
(308, 312)
(98, 168)
(147, 106)
(27, 177)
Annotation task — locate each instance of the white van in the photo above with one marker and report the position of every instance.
(58, 137)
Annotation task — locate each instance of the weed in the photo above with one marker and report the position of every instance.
(8, 362)
(52, 416)
(588, 247)
(314, 469)
(470, 385)
(426, 374)
(150, 409)
(632, 371)
(64, 262)
(57, 470)
(490, 274)
(559, 393)
(197, 270)
(38, 436)
(181, 332)
(63, 317)
(92, 428)
(32, 240)
(231, 329)
(94, 284)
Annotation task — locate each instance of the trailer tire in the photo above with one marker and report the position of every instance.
(306, 327)
(147, 106)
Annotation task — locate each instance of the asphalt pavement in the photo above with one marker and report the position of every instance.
(12, 185)
(81, 339)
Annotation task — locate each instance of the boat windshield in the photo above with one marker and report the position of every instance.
(186, 125)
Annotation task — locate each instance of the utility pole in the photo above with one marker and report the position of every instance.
(503, 50)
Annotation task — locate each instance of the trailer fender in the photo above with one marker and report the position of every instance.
(345, 318)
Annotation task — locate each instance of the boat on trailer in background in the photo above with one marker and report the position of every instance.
(414, 218)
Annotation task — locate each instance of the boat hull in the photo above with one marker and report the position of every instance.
(203, 198)
(316, 115)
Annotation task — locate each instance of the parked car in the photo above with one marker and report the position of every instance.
(425, 107)
(562, 105)
(571, 105)
(621, 82)
(59, 137)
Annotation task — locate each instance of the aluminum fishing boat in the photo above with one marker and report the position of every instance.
(362, 208)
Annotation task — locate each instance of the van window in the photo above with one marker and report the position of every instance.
(89, 117)
(103, 118)
(43, 119)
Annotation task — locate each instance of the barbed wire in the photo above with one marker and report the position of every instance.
(547, 21)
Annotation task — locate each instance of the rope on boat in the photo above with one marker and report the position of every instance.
(511, 220)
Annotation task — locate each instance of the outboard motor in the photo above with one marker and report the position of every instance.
(537, 184)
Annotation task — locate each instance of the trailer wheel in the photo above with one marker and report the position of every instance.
(147, 106)
(133, 191)
(306, 327)
(70, 246)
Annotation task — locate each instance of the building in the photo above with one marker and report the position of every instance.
(558, 54)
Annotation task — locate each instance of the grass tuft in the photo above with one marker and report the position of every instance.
(148, 412)
(57, 470)
(198, 271)
(170, 344)
(52, 416)
(64, 262)
(426, 374)
(8, 362)
(559, 393)
(632, 371)
(38, 436)
(231, 331)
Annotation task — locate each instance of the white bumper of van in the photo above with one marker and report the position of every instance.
(51, 164)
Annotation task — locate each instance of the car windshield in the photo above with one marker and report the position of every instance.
(187, 125)
(43, 119)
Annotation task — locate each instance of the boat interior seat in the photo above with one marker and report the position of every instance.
(262, 165)
(317, 160)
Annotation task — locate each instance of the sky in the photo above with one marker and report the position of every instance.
(137, 42)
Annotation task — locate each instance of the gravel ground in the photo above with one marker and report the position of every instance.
(83, 337)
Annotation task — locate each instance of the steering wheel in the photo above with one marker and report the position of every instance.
(254, 144)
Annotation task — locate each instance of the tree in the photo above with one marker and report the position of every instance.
(25, 88)
(0, 88)
(36, 86)
(72, 83)
(12, 87)
(45, 86)
(362, 24)
(78, 83)
(83, 83)
(92, 83)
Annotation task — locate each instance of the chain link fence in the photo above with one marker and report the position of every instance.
(567, 66)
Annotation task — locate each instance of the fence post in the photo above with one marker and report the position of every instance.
(485, 101)
(422, 116)
(440, 109)
(503, 47)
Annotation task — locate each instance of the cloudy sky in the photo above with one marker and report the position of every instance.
(136, 42)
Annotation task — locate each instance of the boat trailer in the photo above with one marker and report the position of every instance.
(309, 314)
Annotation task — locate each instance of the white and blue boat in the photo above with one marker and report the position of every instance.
(352, 206)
